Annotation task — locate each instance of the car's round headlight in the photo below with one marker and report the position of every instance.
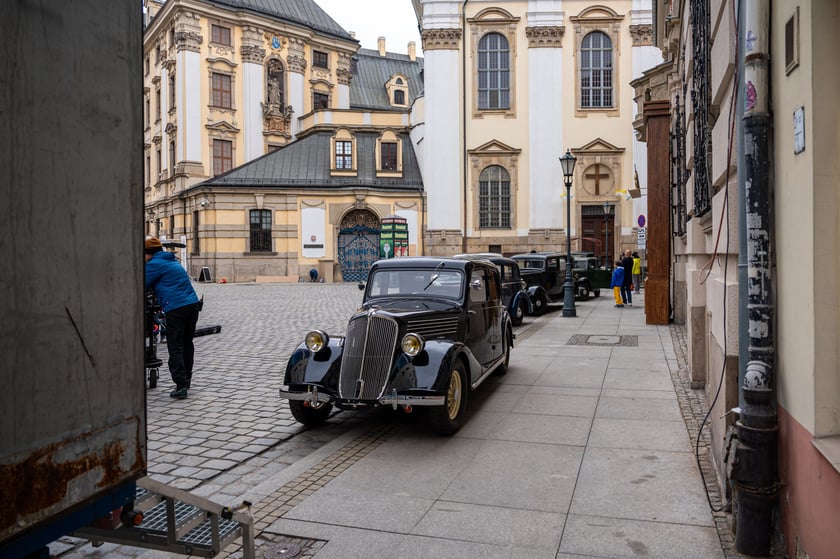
(412, 344)
(316, 340)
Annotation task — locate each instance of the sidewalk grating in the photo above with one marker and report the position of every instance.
(602, 340)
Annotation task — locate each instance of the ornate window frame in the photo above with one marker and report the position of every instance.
(489, 154)
(211, 70)
(397, 82)
(344, 135)
(388, 136)
(606, 20)
(493, 20)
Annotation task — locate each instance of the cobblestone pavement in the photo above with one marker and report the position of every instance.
(226, 437)
(233, 412)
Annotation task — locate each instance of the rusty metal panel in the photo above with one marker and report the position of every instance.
(72, 402)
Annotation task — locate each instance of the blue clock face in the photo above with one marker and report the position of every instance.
(275, 42)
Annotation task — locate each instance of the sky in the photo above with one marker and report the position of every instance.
(371, 19)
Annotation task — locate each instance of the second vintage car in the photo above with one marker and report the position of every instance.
(545, 274)
(429, 331)
(514, 289)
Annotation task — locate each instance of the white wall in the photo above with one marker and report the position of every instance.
(252, 95)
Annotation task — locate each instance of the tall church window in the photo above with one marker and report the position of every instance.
(596, 71)
(493, 72)
(260, 231)
(494, 198)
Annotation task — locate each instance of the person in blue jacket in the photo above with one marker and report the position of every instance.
(177, 299)
(617, 283)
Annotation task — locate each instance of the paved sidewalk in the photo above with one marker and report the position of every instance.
(581, 450)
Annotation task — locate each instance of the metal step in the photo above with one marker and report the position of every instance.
(178, 522)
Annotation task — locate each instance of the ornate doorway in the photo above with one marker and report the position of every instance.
(358, 244)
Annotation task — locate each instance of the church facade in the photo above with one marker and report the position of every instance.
(510, 86)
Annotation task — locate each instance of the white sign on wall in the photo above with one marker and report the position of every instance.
(313, 232)
(641, 237)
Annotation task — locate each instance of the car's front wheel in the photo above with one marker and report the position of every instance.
(447, 419)
(540, 304)
(519, 313)
(311, 415)
(584, 292)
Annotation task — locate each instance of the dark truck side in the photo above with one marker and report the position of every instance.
(73, 431)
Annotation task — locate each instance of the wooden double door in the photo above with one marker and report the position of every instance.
(598, 236)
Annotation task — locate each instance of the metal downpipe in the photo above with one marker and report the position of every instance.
(755, 469)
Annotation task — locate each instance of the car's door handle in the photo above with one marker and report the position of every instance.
(470, 312)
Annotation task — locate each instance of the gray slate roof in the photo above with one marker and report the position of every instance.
(304, 12)
(372, 71)
(305, 164)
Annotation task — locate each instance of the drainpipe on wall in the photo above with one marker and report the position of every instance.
(464, 116)
(754, 473)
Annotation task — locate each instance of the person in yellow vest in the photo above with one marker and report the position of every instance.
(637, 272)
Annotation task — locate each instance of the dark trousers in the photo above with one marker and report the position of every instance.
(180, 331)
(626, 294)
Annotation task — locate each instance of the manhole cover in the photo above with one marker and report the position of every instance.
(602, 340)
(281, 551)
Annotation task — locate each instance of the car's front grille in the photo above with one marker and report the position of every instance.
(366, 361)
(434, 327)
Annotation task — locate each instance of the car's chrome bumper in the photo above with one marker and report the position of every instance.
(393, 399)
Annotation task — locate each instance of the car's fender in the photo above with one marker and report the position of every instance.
(517, 299)
(535, 290)
(306, 367)
(428, 370)
(432, 365)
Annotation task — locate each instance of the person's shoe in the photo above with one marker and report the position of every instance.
(619, 305)
(629, 304)
(178, 393)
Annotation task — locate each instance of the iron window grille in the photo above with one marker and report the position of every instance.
(679, 174)
(260, 230)
(493, 72)
(494, 198)
(701, 102)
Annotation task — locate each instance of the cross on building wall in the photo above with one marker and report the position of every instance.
(597, 175)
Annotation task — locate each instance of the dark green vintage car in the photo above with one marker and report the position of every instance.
(587, 266)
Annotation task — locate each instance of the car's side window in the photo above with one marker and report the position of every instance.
(492, 287)
(551, 263)
(478, 287)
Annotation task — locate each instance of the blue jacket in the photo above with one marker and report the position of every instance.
(617, 277)
(170, 281)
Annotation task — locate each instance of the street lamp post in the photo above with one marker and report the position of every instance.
(567, 162)
(607, 260)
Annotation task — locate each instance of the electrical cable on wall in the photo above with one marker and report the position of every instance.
(714, 256)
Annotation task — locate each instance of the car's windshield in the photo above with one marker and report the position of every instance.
(416, 283)
(531, 264)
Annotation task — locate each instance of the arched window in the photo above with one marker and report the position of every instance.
(493, 72)
(596, 87)
(494, 198)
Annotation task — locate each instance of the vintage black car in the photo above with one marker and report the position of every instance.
(429, 331)
(514, 294)
(545, 274)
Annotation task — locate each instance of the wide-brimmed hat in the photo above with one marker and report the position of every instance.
(153, 244)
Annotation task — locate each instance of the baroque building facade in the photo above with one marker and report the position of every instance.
(510, 86)
(748, 145)
(227, 82)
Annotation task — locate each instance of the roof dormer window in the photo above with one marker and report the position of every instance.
(397, 88)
